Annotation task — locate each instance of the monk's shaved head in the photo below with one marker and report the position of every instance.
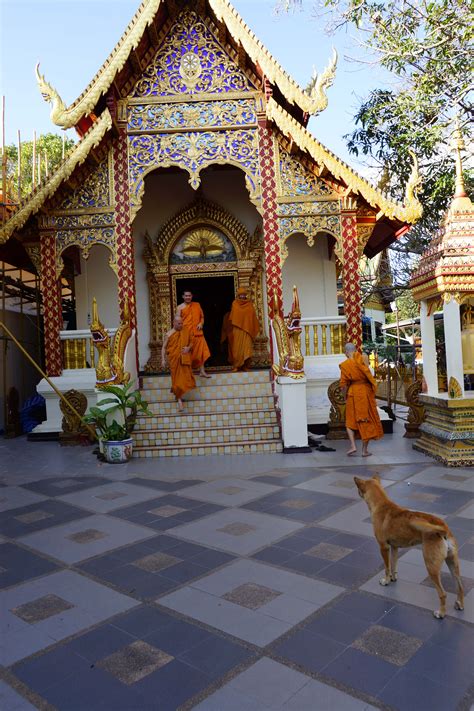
(350, 348)
(178, 322)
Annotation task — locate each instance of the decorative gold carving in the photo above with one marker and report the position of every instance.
(51, 96)
(416, 411)
(193, 152)
(309, 226)
(189, 116)
(72, 222)
(287, 335)
(295, 180)
(454, 389)
(48, 188)
(34, 253)
(73, 430)
(308, 207)
(337, 413)
(87, 101)
(319, 84)
(410, 212)
(110, 366)
(190, 61)
(94, 192)
(364, 233)
(203, 242)
(85, 239)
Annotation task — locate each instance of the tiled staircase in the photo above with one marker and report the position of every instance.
(229, 413)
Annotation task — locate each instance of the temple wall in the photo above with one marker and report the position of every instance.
(313, 273)
(97, 279)
(167, 193)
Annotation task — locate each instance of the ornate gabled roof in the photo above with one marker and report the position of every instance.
(309, 103)
(408, 213)
(48, 187)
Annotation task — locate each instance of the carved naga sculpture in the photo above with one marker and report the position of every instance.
(287, 334)
(110, 367)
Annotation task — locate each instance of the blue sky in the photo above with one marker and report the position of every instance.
(72, 38)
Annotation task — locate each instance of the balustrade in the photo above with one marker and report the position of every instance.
(78, 349)
(323, 335)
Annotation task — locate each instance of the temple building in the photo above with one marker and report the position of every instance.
(195, 171)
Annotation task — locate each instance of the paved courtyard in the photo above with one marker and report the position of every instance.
(226, 583)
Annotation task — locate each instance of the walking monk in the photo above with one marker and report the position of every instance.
(244, 329)
(177, 348)
(361, 409)
(193, 318)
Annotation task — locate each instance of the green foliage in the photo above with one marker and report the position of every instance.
(50, 145)
(125, 401)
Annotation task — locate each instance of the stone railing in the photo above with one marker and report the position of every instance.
(78, 349)
(323, 335)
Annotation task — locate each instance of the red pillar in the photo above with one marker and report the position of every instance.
(269, 209)
(52, 307)
(123, 229)
(351, 278)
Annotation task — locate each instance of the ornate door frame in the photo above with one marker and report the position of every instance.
(248, 265)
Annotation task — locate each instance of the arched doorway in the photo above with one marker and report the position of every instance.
(206, 250)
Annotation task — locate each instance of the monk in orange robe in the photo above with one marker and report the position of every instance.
(193, 319)
(361, 409)
(177, 349)
(244, 329)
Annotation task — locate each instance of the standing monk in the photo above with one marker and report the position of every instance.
(361, 409)
(177, 348)
(193, 318)
(244, 328)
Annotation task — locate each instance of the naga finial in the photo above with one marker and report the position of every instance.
(319, 84)
(413, 207)
(96, 323)
(296, 301)
(50, 95)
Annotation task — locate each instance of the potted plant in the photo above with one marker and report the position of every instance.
(117, 443)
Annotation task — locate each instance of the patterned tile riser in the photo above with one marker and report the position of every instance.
(217, 393)
(168, 406)
(254, 448)
(152, 382)
(197, 437)
(220, 419)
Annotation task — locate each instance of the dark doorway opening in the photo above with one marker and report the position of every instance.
(215, 294)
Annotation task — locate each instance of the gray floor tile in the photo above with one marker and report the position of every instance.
(10, 700)
(108, 497)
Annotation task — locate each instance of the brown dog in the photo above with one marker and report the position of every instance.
(396, 527)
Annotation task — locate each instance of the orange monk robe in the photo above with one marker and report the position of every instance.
(245, 327)
(226, 335)
(192, 315)
(182, 378)
(361, 409)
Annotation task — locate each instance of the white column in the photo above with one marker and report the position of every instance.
(293, 409)
(452, 337)
(428, 342)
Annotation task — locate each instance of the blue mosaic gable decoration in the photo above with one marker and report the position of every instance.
(190, 61)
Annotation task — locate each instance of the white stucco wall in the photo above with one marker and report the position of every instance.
(313, 273)
(166, 193)
(99, 280)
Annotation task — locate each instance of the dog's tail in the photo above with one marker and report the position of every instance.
(426, 527)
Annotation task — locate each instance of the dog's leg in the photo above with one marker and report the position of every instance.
(434, 553)
(452, 561)
(385, 552)
(394, 563)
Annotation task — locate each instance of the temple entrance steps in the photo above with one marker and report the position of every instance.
(229, 413)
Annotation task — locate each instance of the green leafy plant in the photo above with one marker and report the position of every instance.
(125, 401)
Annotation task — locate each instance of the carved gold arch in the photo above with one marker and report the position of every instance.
(193, 152)
(309, 227)
(248, 268)
(85, 240)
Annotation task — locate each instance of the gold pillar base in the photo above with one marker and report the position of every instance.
(448, 431)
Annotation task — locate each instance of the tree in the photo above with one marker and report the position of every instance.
(428, 46)
(50, 145)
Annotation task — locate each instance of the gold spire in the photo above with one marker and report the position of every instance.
(461, 201)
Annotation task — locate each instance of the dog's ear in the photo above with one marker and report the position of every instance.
(377, 478)
(360, 486)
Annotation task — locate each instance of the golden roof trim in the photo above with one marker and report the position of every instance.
(312, 103)
(99, 85)
(77, 156)
(409, 213)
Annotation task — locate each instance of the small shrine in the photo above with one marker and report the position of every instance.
(444, 281)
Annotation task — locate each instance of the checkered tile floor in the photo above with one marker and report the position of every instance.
(243, 584)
